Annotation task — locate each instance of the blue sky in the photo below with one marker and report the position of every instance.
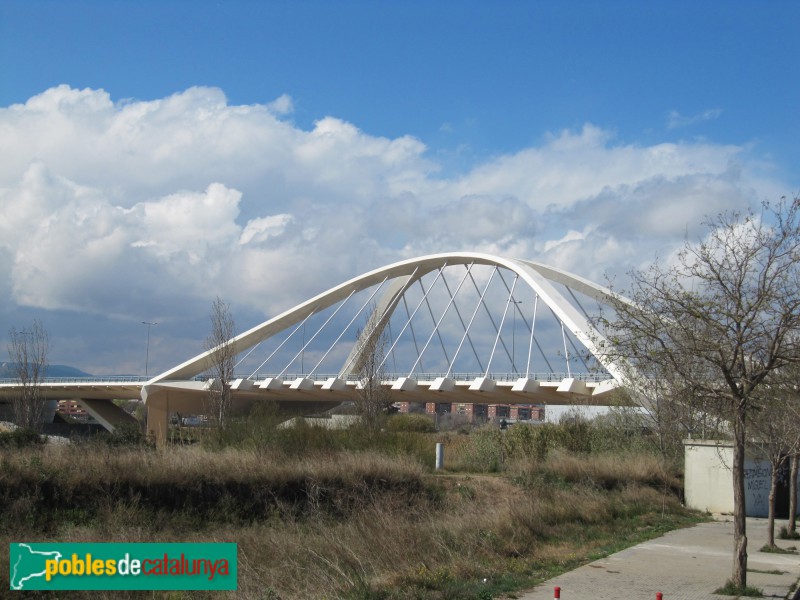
(598, 127)
(494, 76)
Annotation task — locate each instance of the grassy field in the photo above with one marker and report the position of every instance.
(356, 514)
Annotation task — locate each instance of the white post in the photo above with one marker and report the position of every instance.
(439, 456)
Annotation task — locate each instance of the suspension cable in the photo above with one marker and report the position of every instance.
(439, 322)
(346, 327)
(296, 329)
(533, 328)
(317, 332)
(502, 321)
(433, 319)
(471, 319)
(413, 314)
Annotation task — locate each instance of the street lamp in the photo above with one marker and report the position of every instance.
(147, 355)
(514, 337)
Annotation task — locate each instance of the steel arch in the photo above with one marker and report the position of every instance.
(537, 276)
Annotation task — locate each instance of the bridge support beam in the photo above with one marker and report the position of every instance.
(157, 423)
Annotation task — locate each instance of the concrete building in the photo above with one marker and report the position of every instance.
(708, 484)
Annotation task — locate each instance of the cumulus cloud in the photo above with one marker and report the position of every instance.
(111, 205)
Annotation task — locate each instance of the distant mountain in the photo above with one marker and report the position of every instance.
(7, 371)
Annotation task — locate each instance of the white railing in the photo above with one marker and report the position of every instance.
(111, 379)
(387, 377)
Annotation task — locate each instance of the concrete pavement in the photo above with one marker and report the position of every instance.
(687, 564)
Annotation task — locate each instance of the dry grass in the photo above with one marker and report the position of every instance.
(341, 524)
(607, 471)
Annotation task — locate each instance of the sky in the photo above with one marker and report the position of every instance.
(156, 154)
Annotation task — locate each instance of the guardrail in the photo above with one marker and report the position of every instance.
(589, 377)
(121, 379)
(87, 380)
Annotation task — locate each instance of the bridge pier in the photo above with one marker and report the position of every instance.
(158, 422)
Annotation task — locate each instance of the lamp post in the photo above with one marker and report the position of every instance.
(147, 355)
(514, 336)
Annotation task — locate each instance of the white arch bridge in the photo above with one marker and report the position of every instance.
(456, 328)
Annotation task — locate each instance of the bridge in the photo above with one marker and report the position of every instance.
(456, 328)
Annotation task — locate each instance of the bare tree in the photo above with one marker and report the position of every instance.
(793, 415)
(221, 360)
(777, 438)
(372, 399)
(791, 526)
(27, 350)
(717, 322)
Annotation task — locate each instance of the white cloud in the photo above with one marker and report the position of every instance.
(109, 207)
(282, 106)
(675, 119)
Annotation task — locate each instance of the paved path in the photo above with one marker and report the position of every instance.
(687, 564)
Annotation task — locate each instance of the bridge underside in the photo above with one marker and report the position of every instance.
(190, 396)
(305, 396)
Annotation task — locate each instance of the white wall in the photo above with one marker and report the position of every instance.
(708, 484)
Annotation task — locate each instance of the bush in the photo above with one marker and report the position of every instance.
(411, 423)
(20, 438)
(124, 435)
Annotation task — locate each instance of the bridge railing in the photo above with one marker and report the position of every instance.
(120, 379)
(553, 377)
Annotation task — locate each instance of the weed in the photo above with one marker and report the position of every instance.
(731, 589)
(785, 534)
(770, 572)
(778, 549)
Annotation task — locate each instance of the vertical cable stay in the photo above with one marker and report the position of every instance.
(436, 327)
(286, 339)
(460, 318)
(578, 302)
(433, 319)
(502, 321)
(533, 328)
(317, 332)
(391, 340)
(346, 327)
(489, 313)
(579, 354)
(510, 297)
(566, 350)
(588, 320)
(424, 298)
(388, 310)
(244, 358)
(519, 311)
(413, 333)
(472, 318)
(516, 311)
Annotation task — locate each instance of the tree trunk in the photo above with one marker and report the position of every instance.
(792, 526)
(739, 522)
(773, 492)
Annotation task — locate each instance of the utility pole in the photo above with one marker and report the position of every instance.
(147, 354)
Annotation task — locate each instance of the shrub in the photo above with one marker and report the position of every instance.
(411, 423)
(20, 438)
(129, 434)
